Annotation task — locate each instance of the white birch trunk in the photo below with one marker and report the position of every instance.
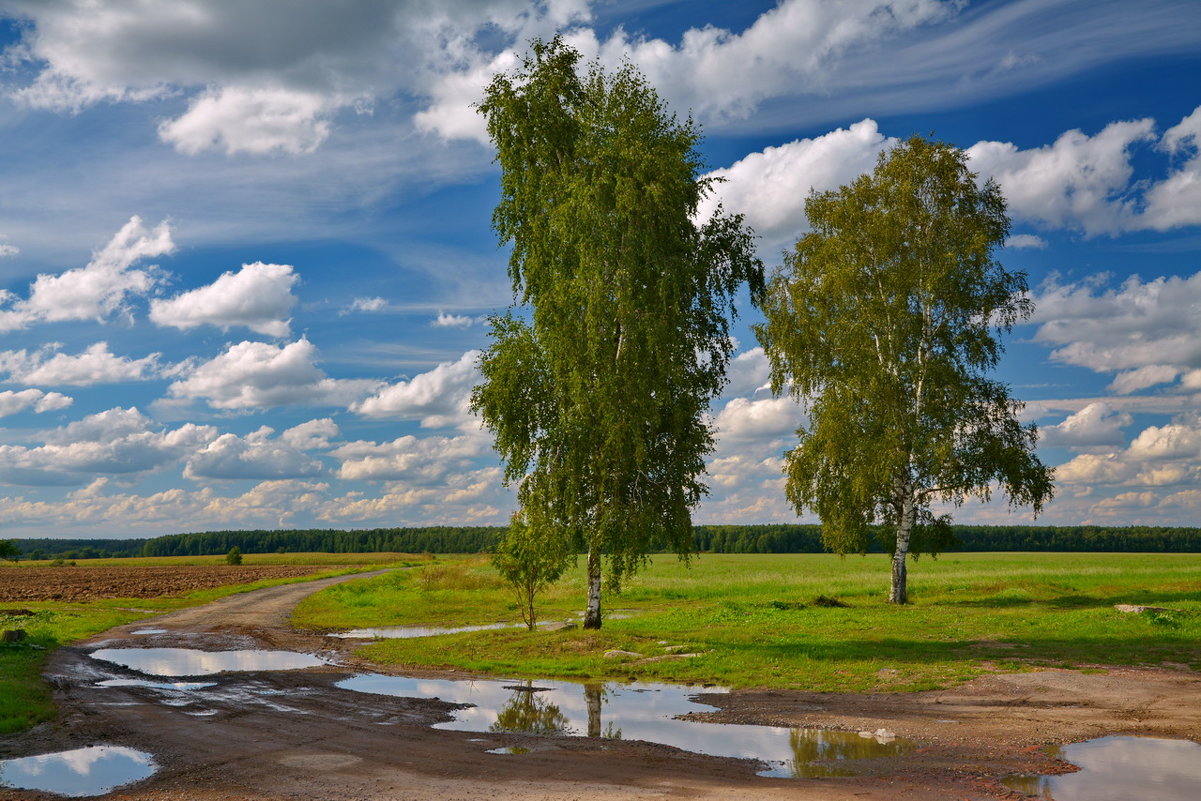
(592, 615)
(898, 593)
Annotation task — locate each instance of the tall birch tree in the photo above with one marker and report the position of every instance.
(597, 385)
(884, 322)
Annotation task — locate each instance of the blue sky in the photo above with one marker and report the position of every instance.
(245, 252)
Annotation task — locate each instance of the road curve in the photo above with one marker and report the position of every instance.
(257, 609)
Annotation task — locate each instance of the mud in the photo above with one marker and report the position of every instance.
(295, 735)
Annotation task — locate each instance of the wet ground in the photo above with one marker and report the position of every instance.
(310, 733)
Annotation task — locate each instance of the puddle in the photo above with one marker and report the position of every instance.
(157, 685)
(190, 662)
(95, 770)
(1119, 769)
(635, 712)
(821, 753)
(149, 631)
(405, 632)
(511, 750)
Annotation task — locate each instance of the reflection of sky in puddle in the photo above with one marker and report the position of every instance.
(96, 770)
(406, 632)
(633, 712)
(190, 662)
(1120, 769)
(150, 631)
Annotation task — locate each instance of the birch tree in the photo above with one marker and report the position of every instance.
(884, 322)
(596, 386)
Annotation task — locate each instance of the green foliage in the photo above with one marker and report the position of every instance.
(760, 538)
(9, 551)
(234, 557)
(527, 712)
(530, 559)
(597, 395)
(883, 322)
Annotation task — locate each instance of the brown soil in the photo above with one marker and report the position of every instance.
(292, 735)
(69, 583)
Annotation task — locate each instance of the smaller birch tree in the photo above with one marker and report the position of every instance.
(530, 560)
(884, 322)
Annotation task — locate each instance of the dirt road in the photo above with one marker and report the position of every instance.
(294, 735)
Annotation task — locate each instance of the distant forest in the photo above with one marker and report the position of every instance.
(773, 538)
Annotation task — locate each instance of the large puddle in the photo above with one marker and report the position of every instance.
(636, 712)
(95, 770)
(190, 662)
(1120, 769)
(406, 632)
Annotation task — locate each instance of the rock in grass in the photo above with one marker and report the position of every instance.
(1135, 609)
(617, 653)
(666, 658)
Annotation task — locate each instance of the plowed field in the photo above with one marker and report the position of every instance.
(91, 583)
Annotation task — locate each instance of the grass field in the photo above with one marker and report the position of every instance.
(753, 621)
(24, 698)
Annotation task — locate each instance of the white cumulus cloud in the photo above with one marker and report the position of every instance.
(258, 297)
(1079, 181)
(765, 419)
(116, 441)
(311, 435)
(97, 291)
(1144, 332)
(437, 398)
(1176, 201)
(14, 402)
(1097, 424)
(446, 320)
(256, 456)
(368, 304)
(258, 375)
(426, 461)
(252, 120)
(770, 187)
(95, 365)
(1026, 241)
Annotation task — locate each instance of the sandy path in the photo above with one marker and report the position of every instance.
(260, 609)
(293, 735)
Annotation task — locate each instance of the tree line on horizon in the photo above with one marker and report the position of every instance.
(760, 538)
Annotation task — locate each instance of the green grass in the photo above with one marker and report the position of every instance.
(752, 619)
(24, 698)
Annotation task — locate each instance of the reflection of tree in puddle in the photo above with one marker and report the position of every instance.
(594, 697)
(813, 751)
(1034, 786)
(527, 712)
